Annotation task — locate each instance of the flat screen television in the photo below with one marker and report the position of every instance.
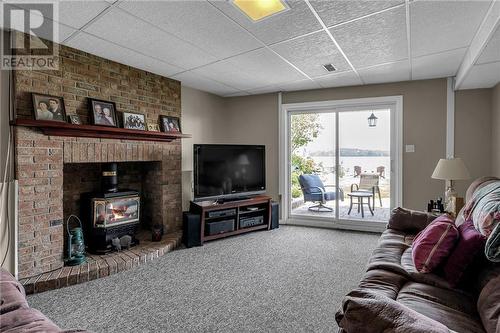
(229, 171)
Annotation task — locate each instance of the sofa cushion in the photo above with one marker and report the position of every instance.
(383, 282)
(452, 308)
(414, 275)
(433, 245)
(368, 312)
(387, 255)
(409, 221)
(470, 244)
(488, 305)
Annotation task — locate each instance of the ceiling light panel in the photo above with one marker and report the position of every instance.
(197, 22)
(438, 26)
(296, 21)
(309, 53)
(336, 12)
(377, 39)
(257, 10)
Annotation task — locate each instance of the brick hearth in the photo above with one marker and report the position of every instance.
(98, 266)
(40, 159)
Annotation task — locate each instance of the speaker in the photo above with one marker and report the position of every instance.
(275, 215)
(191, 229)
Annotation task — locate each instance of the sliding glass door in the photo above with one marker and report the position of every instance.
(343, 164)
(313, 164)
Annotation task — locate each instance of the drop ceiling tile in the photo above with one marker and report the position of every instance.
(265, 90)
(309, 53)
(126, 30)
(262, 67)
(339, 80)
(392, 72)
(437, 65)
(296, 21)
(299, 85)
(77, 13)
(197, 22)
(230, 72)
(377, 39)
(491, 52)
(482, 76)
(238, 94)
(73, 13)
(63, 33)
(336, 12)
(438, 26)
(105, 49)
(196, 81)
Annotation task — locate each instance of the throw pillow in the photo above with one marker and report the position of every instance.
(470, 244)
(434, 244)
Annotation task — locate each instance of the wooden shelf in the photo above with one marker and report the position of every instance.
(203, 207)
(236, 232)
(56, 128)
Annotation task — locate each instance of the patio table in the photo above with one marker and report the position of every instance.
(360, 195)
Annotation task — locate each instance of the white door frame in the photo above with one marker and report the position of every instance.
(395, 103)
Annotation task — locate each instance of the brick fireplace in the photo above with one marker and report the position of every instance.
(46, 165)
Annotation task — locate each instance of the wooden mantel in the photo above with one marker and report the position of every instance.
(56, 128)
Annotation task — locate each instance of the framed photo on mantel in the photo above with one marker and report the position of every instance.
(170, 124)
(103, 113)
(47, 107)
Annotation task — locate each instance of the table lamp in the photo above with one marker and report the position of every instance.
(450, 169)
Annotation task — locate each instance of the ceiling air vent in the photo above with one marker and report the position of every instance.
(329, 67)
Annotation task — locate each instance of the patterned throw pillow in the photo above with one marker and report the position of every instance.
(433, 245)
(469, 245)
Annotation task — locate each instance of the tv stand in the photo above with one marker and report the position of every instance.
(225, 200)
(234, 215)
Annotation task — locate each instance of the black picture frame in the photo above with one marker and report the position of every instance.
(98, 106)
(170, 124)
(48, 107)
(134, 120)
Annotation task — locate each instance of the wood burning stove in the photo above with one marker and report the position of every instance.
(110, 213)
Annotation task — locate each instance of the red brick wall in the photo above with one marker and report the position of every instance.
(40, 159)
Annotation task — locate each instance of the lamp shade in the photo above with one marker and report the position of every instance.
(451, 169)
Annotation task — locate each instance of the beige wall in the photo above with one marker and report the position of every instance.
(203, 115)
(495, 126)
(254, 120)
(424, 125)
(473, 133)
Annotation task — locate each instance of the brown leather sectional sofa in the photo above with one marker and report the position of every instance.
(394, 297)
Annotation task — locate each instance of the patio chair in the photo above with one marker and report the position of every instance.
(357, 170)
(314, 190)
(368, 183)
(381, 171)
